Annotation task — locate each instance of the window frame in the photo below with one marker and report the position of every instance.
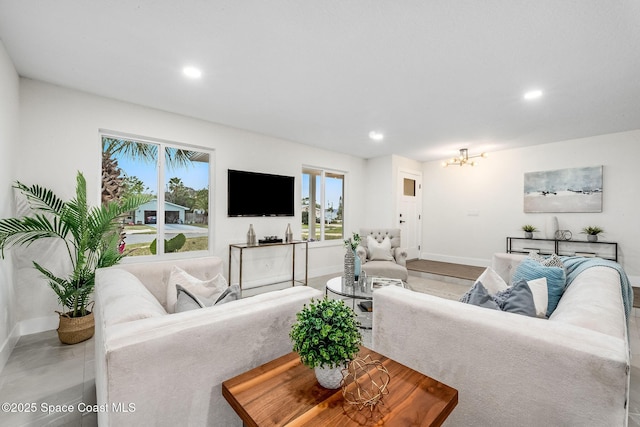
(161, 175)
(323, 172)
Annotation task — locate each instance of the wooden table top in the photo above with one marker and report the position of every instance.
(284, 392)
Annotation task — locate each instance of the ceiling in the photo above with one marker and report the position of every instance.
(433, 76)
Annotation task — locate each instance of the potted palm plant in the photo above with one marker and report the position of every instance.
(327, 337)
(592, 232)
(90, 237)
(528, 230)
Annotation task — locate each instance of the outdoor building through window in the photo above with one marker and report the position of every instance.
(177, 179)
(322, 204)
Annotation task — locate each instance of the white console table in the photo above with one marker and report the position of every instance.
(244, 247)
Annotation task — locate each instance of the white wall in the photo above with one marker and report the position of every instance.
(59, 135)
(379, 212)
(9, 90)
(494, 190)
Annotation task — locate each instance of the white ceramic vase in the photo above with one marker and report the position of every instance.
(329, 377)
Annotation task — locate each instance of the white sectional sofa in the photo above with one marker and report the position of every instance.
(154, 368)
(512, 370)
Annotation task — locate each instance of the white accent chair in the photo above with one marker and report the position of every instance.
(395, 267)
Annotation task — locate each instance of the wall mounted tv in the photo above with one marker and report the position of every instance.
(259, 194)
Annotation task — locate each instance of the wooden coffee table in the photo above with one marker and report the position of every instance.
(284, 392)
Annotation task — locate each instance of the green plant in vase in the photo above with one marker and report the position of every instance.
(592, 232)
(326, 335)
(528, 230)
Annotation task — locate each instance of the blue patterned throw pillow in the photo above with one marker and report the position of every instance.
(529, 269)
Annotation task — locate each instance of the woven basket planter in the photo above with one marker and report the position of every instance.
(73, 330)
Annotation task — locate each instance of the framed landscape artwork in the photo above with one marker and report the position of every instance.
(564, 190)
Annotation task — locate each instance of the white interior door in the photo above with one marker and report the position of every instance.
(409, 211)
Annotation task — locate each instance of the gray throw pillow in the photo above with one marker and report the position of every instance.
(479, 296)
(517, 299)
(232, 293)
(187, 301)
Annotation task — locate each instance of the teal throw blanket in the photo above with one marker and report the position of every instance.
(576, 265)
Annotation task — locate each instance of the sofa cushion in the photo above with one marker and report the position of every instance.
(209, 289)
(124, 298)
(529, 269)
(379, 251)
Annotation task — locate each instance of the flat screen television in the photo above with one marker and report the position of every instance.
(259, 194)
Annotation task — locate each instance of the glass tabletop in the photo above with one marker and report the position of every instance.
(363, 290)
(337, 286)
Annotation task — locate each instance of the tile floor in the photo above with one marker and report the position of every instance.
(43, 372)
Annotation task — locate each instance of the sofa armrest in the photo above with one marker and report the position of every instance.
(508, 369)
(171, 368)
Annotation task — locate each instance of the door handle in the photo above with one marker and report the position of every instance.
(402, 222)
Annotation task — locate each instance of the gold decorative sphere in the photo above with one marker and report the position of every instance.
(364, 382)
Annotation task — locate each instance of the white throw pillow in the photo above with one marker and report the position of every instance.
(210, 289)
(492, 281)
(540, 295)
(379, 251)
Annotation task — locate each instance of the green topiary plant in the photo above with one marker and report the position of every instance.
(529, 228)
(326, 334)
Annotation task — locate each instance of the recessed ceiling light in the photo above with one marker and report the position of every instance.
(376, 136)
(192, 72)
(533, 94)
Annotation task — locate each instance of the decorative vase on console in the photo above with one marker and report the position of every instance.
(349, 267)
(251, 236)
(288, 234)
(351, 272)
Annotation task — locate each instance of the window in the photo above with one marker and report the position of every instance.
(177, 179)
(322, 205)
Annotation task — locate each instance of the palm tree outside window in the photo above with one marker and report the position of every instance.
(176, 175)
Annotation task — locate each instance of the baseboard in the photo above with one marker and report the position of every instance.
(477, 262)
(8, 345)
(38, 324)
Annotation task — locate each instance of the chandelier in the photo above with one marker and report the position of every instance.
(463, 159)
